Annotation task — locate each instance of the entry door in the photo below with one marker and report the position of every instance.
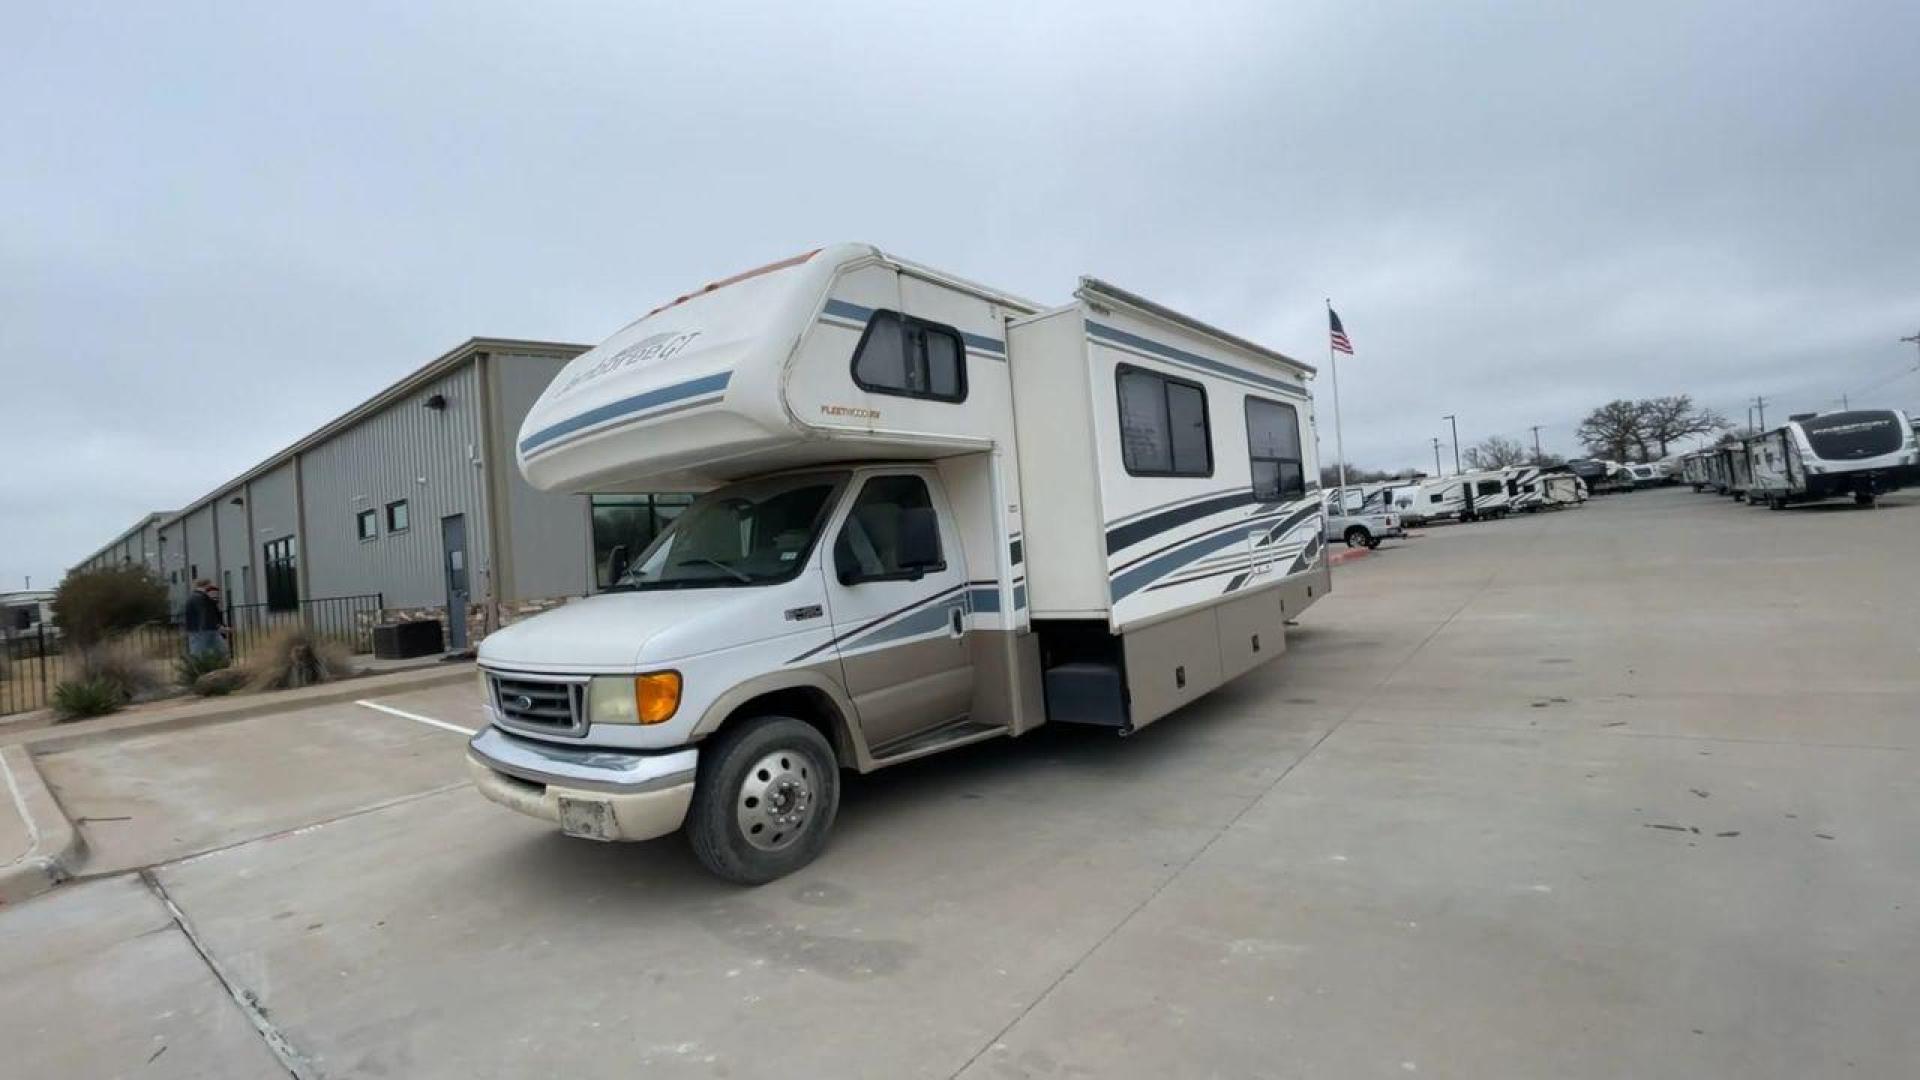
(901, 628)
(453, 544)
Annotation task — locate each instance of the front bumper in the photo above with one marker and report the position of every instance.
(593, 793)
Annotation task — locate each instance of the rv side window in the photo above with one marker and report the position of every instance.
(911, 358)
(1436, 497)
(1163, 424)
(1489, 487)
(1273, 451)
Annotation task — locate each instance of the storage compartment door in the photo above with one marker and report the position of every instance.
(1171, 663)
(1250, 633)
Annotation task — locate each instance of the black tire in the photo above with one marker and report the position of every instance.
(727, 762)
(1866, 499)
(1357, 537)
(1776, 504)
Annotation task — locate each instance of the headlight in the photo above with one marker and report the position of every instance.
(645, 699)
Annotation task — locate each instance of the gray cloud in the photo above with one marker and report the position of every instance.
(220, 227)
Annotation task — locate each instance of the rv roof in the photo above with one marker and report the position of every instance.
(1092, 288)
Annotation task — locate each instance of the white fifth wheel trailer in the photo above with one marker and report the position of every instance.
(1861, 452)
(1467, 497)
(933, 513)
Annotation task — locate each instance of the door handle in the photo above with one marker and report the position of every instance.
(956, 621)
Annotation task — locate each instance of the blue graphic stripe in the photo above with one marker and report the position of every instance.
(1115, 336)
(1019, 597)
(840, 309)
(678, 395)
(985, 601)
(1146, 571)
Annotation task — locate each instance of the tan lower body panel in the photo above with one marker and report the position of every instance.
(1006, 679)
(899, 690)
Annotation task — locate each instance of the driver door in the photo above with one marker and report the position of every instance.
(897, 592)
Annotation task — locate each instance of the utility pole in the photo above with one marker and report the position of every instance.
(1538, 457)
(1761, 404)
(1455, 423)
(1437, 470)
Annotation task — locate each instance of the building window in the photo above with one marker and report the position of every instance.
(397, 516)
(630, 522)
(368, 524)
(1163, 424)
(283, 574)
(1273, 451)
(911, 358)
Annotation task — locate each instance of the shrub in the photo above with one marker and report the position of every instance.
(191, 665)
(121, 662)
(220, 682)
(296, 656)
(77, 698)
(90, 605)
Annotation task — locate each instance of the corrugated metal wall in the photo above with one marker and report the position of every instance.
(546, 533)
(236, 559)
(200, 554)
(170, 549)
(275, 514)
(431, 458)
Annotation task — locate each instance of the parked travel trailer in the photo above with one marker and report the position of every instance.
(1645, 475)
(1563, 489)
(1466, 497)
(1601, 477)
(1861, 452)
(933, 514)
(1693, 469)
(1736, 470)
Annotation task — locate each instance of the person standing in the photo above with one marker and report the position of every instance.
(203, 621)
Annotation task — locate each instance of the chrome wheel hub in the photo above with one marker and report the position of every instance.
(775, 800)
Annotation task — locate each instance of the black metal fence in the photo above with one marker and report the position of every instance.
(34, 661)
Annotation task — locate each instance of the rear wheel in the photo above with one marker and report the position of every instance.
(765, 799)
(1864, 498)
(1359, 537)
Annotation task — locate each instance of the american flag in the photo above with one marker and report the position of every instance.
(1340, 342)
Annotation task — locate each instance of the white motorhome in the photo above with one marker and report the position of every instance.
(934, 514)
(1862, 452)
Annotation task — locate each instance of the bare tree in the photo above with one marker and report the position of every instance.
(1615, 430)
(1496, 452)
(1667, 420)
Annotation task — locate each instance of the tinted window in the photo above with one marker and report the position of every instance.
(871, 537)
(910, 358)
(1273, 450)
(1163, 424)
(1854, 434)
(369, 523)
(1488, 487)
(397, 516)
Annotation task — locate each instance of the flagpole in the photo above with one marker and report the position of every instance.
(1339, 446)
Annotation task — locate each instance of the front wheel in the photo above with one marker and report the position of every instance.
(764, 801)
(1358, 537)
(1864, 498)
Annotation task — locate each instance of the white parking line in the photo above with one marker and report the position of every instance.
(402, 713)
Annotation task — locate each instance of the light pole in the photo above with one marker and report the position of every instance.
(1454, 422)
(1437, 471)
(1538, 458)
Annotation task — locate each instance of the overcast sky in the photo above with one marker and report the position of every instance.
(222, 225)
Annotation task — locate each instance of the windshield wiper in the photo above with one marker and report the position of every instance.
(742, 578)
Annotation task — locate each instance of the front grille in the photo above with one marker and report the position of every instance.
(554, 708)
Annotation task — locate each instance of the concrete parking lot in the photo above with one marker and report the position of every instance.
(1622, 791)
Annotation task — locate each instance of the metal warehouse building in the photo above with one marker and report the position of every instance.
(409, 506)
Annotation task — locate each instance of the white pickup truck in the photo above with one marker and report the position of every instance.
(1363, 527)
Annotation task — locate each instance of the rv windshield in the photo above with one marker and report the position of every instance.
(753, 533)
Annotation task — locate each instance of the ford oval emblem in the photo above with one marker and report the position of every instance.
(522, 702)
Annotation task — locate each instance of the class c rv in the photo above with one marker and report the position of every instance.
(932, 514)
(1862, 452)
